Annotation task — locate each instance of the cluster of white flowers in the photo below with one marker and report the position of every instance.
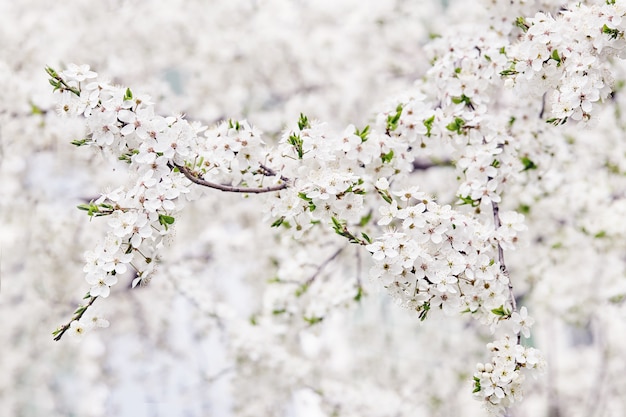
(432, 255)
(499, 382)
(159, 154)
(568, 56)
(442, 259)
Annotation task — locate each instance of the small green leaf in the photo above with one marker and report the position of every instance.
(303, 122)
(477, 386)
(392, 120)
(80, 142)
(520, 22)
(463, 99)
(363, 133)
(613, 33)
(297, 142)
(301, 289)
(501, 311)
(278, 221)
(528, 163)
(387, 157)
(428, 123)
(51, 72)
(456, 125)
(423, 310)
(128, 95)
(313, 320)
(166, 220)
(468, 200)
(359, 294)
(365, 219)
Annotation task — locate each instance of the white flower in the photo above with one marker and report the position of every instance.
(101, 284)
(79, 72)
(78, 329)
(388, 212)
(522, 322)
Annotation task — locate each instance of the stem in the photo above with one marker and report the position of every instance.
(498, 223)
(61, 330)
(310, 280)
(192, 176)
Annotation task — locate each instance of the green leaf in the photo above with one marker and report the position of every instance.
(90, 208)
(301, 289)
(387, 157)
(166, 220)
(365, 219)
(463, 99)
(392, 120)
(80, 142)
(613, 33)
(128, 95)
(423, 310)
(313, 320)
(34, 109)
(55, 83)
(501, 311)
(278, 221)
(366, 237)
(556, 57)
(477, 386)
(456, 125)
(528, 163)
(363, 133)
(469, 200)
(520, 22)
(51, 72)
(297, 142)
(428, 123)
(234, 124)
(303, 122)
(359, 294)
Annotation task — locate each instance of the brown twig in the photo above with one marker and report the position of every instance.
(503, 269)
(192, 176)
(423, 165)
(77, 316)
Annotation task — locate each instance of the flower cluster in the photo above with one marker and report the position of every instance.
(567, 56)
(436, 258)
(499, 382)
(163, 156)
(442, 259)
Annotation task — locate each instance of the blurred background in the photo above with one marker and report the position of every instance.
(185, 345)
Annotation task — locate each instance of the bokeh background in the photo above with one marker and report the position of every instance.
(182, 346)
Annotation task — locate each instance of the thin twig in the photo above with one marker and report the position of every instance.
(61, 330)
(497, 224)
(191, 176)
(423, 165)
(320, 267)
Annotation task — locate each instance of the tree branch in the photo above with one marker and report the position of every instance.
(423, 164)
(497, 224)
(58, 333)
(192, 176)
